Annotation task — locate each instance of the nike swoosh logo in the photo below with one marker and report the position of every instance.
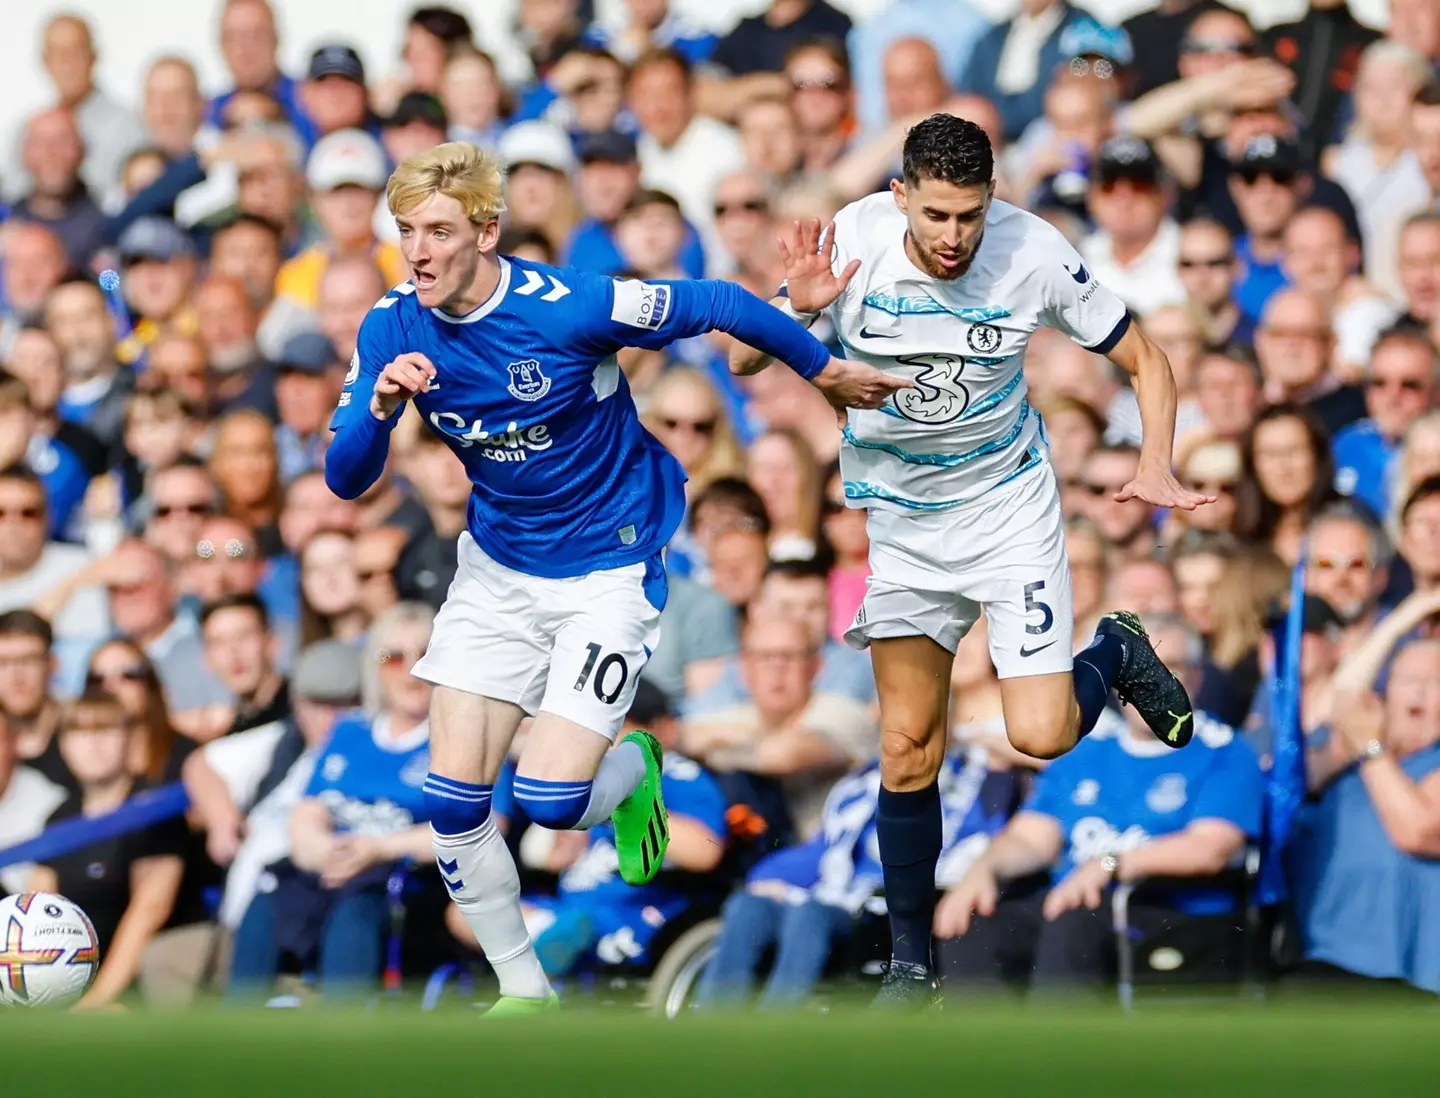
(1031, 651)
(866, 333)
(1081, 276)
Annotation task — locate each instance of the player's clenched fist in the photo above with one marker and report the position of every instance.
(402, 378)
(848, 384)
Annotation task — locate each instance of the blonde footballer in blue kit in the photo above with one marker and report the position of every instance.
(937, 282)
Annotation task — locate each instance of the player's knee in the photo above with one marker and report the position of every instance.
(455, 808)
(556, 805)
(1039, 736)
(908, 760)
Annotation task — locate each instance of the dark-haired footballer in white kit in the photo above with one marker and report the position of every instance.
(937, 282)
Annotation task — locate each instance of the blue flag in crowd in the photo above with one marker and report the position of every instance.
(1285, 789)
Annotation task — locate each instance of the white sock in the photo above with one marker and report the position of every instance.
(488, 895)
(620, 774)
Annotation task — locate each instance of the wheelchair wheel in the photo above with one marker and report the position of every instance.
(673, 984)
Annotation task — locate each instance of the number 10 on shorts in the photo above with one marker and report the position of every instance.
(604, 674)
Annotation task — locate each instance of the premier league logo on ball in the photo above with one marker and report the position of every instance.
(984, 339)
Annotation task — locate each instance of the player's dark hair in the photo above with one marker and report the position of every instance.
(950, 149)
(26, 623)
(737, 493)
(235, 602)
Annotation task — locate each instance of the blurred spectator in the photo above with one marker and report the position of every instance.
(349, 289)
(1146, 586)
(1089, 571)
(1400, 387)
(759, 45)
(96, 386)
(1113, 809)
(686, 415)
(1158, 36)
(1266, 185)
(429, 560)
(539, 160)
(638, 25)
(1208, 270)
(1363, 855)
(64, 456)
(819, 75)
(1012, 62)
(1420, 533)
(1227, 388)
(1074, 429)
(31, 714)
(1289, 475)
(34, 262)
(157, 273)
(681, 152)
(177, 363)
(361, 815)
(248, 249)
(181, 497)
(1374, 163)
(1324, 51)
(783, 470)
(127, 884)
(745, 225)
(1245, 597)
(1320, 259)
(52, 153)
(433, 35)
(1135, 250)
(1419, 267)
(346, 174)
(1294, 343)
(474, 99)
(727, 503)
(786, 730)
(333, 95)
(172, 107)
(250, 45)
(1198, 564)
(1419, 458)
(1349, 567)
(650, 234)
(417, 123)
(241, 651)
(1425, 134)
(227, 325)
(330, 589)
(770, 139)
(227, 561)
(246, 468)
(1127, 526)
(914, 82)
(308, 377)
(737, 559)
(377, 551)
(1213, 466)
(885, 54)
(27, 800)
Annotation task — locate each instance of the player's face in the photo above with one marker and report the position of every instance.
(443, 248)
(946, 222)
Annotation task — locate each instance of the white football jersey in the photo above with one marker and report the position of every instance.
(967, 426)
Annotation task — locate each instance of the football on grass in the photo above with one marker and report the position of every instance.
(48, 950)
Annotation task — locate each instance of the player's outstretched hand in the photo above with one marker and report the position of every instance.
(403, 377)
(848, 384)
(1158, 487)
(976, 893)
(808, 278)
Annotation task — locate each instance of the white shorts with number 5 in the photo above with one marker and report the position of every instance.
(572, 647)
(931, 573)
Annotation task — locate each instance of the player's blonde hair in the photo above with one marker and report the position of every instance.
(458, 169)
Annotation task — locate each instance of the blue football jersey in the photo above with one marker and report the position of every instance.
(529, 396)
(370, 783)
(1112, 794)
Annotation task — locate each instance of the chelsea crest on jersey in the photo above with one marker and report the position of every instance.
(967, 426)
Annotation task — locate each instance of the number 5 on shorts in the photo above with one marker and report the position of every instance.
(603, 673)
(1031, 605)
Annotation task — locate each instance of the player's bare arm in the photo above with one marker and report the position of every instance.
(1155, 483)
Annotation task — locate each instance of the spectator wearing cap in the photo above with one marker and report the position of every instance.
(245, 787)
(307, 385)
(1375, 163)
(539, 161)
(96, 385)
(637, 26)
(249, 45)
(1136, 247)
(52, 152)
(1013, 62)
(417, 123)
(157, 272)
(108, 132)
(1323, 49)
(1267, 185)
(333, 95)
(681, 152)
(346, 174)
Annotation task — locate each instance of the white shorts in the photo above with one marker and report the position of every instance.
(572, 647)
(932, 573)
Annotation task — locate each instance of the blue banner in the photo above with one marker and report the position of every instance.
(139, 811)
(1286, 785)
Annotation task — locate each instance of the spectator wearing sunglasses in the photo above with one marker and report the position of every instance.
(1136, 247)
(1349, 567)
(1400, 387)
(1207, 268)
(1127, 526)
(1267, 186)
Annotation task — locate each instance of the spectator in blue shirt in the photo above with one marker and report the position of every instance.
(951, 29)
(250, 46)
(1363, 860)
(1119, 807)
(594, 915)
(362, 814)
(1400, 387)
(1266, 185)
(644, 24)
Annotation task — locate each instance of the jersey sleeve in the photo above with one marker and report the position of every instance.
(375, 345)
(358, 452)
(653, 314)
(1074, 301)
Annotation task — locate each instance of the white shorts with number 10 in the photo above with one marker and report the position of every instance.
(573, 647)
(931, 573)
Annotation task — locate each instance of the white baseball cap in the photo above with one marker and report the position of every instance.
(540, 143)
(347, 157)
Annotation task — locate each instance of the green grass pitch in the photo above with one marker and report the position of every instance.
(1354, 1050)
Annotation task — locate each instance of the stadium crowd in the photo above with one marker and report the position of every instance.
(182, 599)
